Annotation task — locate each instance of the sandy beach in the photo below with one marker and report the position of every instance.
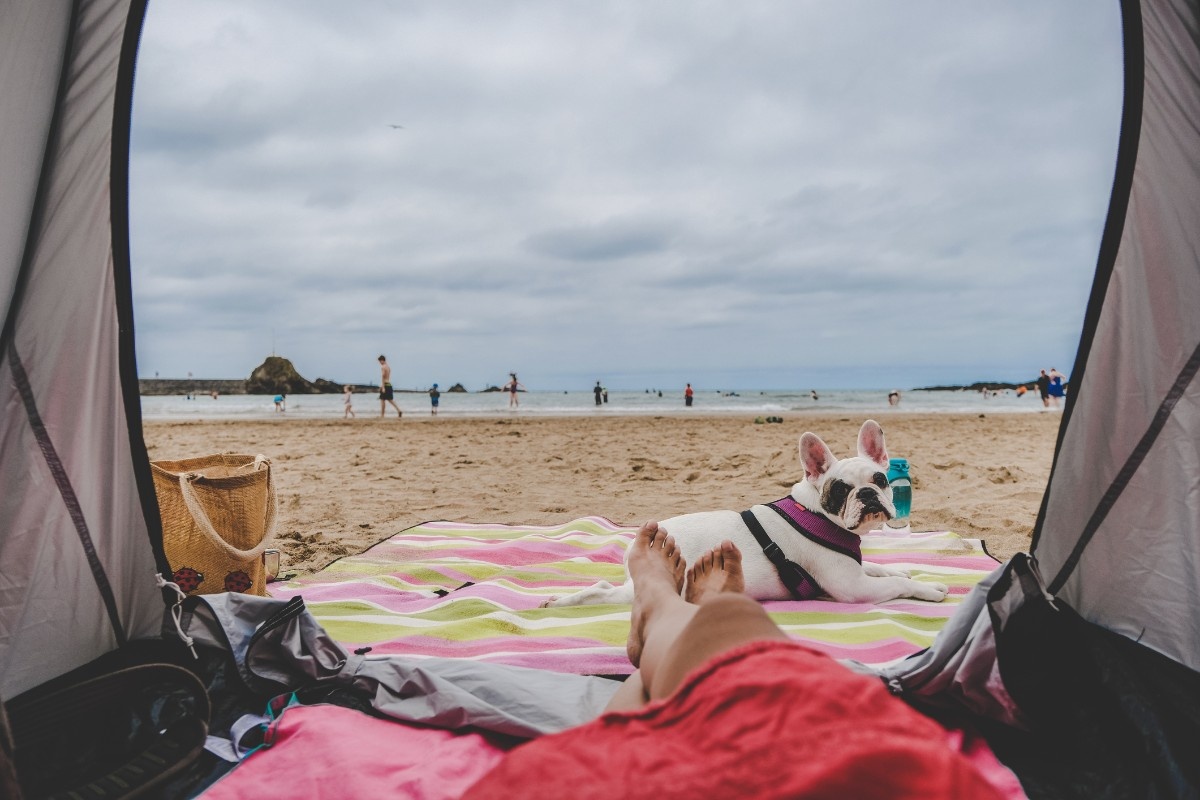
(345, 485)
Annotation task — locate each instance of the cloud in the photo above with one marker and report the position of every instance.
(619, 188)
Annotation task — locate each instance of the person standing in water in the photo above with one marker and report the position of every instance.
(386, 393)
(434, 396)
(346, 400)
(687, 396)
(512, 386)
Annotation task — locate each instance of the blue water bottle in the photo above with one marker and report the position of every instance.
(901, 491)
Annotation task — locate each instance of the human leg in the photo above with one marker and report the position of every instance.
(669, 636)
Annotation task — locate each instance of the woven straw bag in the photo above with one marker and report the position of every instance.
(218, 512)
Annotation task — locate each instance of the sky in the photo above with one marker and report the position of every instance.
(737, 194)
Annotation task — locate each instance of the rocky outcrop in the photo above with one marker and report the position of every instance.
(458, 387)
(273, 376)
(277, 375)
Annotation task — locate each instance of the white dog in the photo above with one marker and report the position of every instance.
(807, 544)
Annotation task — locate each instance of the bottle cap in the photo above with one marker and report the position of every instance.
(897, 468)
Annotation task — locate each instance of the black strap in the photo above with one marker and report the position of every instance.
(802, 585)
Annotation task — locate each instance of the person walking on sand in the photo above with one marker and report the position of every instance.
(386, 393)
(434, 396)
(346, 399)
(512, 386)
(1043, 387)
(687, 396)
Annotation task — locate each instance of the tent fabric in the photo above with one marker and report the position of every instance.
(1119, 537)
(78, 563)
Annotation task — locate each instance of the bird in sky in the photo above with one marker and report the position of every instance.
(396, 126)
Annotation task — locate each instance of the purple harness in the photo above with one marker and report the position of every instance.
(815, 527)
(819, 528)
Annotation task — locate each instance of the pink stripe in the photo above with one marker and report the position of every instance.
(444, 525)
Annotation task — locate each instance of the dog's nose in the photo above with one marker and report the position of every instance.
(866, 494)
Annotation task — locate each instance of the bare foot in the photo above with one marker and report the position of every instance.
(656, 569)
(717, 571)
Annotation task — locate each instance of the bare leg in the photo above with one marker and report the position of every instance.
(669, 636)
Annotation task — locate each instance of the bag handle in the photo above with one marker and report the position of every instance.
(205, 524)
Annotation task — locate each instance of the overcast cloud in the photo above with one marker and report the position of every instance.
(737, 194)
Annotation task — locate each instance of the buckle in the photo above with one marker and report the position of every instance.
(774, 553)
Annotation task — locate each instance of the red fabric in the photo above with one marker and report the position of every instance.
(336, 753)
(768, 720)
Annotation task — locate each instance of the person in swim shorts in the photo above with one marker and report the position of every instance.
(386, 393)
(1043, 387)
(724, 704)
(434, 397)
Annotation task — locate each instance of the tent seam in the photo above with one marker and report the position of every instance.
(1136, 457)
(63, 481)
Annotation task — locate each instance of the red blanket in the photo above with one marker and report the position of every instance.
(767, 720)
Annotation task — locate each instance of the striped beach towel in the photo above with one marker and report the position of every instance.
(473, 591)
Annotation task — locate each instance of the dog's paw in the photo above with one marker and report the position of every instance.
(548, 602)
(937, 592)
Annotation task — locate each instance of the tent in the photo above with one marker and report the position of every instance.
(1090, 642)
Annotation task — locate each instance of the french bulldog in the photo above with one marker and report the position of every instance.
(840, 499)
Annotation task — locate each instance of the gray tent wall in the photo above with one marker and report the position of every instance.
(1118, 538)
(77, 537)
(1119, 533)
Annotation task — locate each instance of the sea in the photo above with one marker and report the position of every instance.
(853, 402)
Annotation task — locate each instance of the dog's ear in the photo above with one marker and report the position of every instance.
(816, 456)
(870, 443)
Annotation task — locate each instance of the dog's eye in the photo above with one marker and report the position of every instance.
(836, 492)
(880, 480)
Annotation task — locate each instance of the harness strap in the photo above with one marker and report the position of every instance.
(797, 580)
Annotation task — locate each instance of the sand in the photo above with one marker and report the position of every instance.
(345, 485)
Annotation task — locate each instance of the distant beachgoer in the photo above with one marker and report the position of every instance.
(687, 395)
(280, 403)
(512, 386)
(214, 394)
(894, 397)
(386, 392)
(346, 399)
(1043, 386)
(1056, 388)
(434, 396)
(606, 394)
(660, 392)
(1021, 390)
(814, 394)
(598, 391)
